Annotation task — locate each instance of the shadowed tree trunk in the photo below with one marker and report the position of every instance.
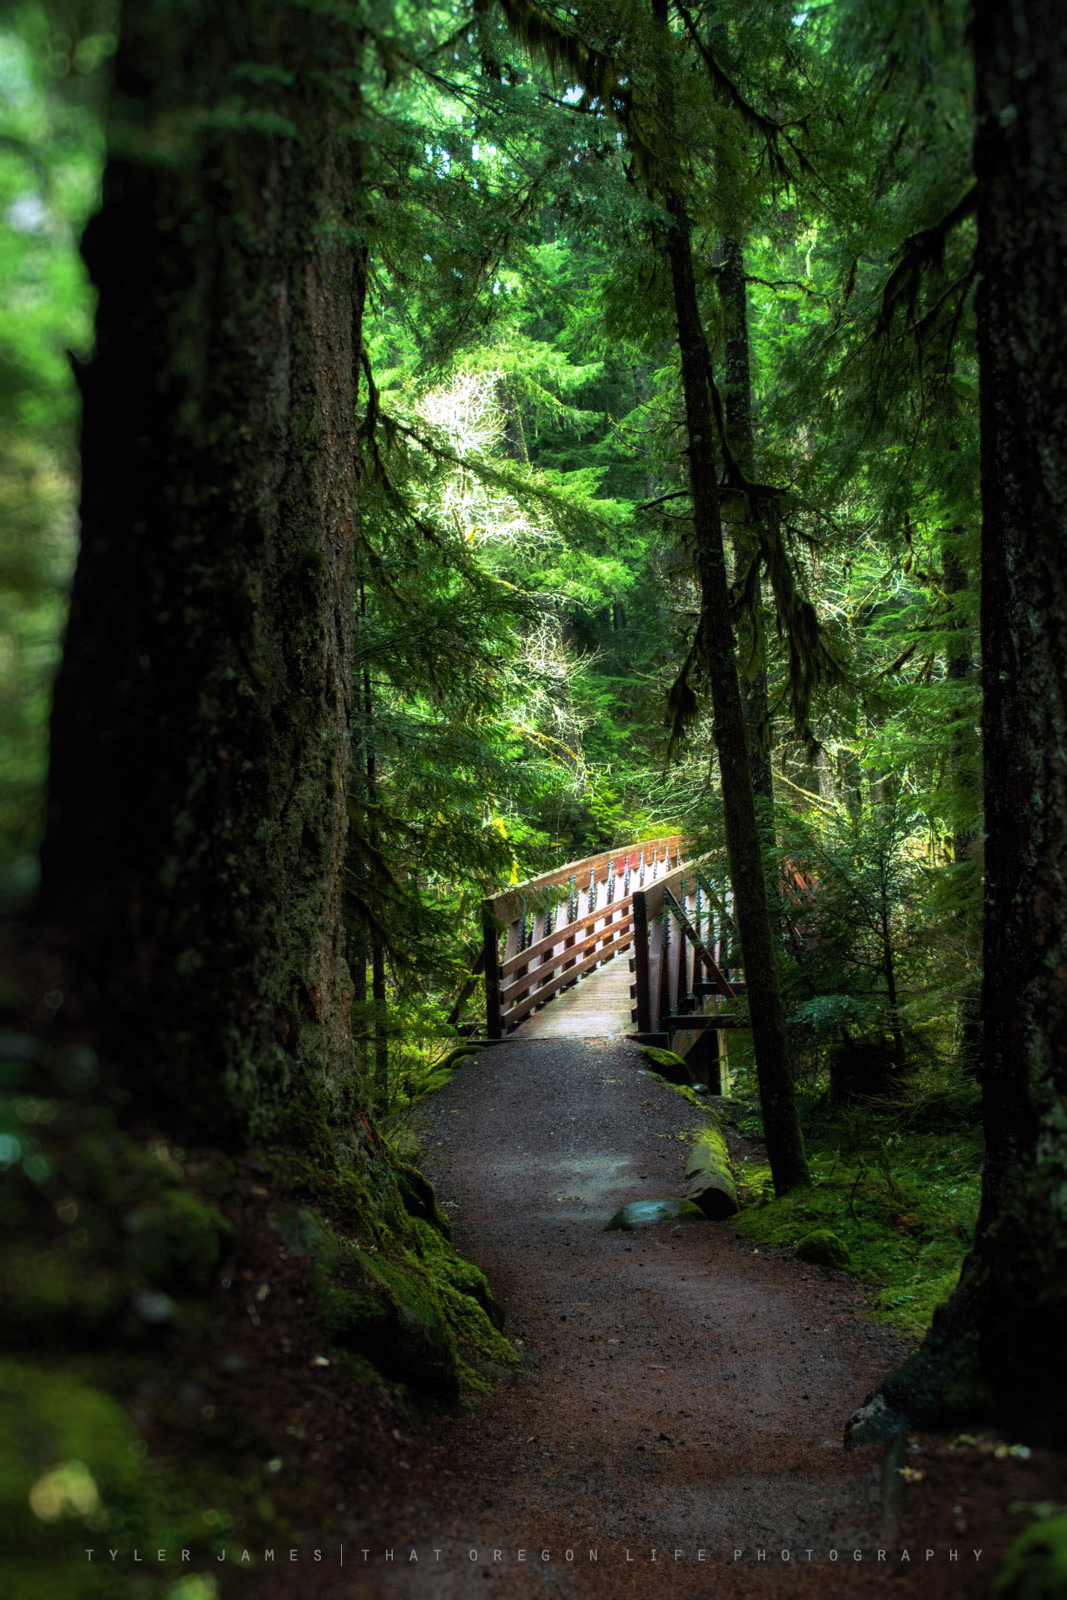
(997, 1346)
(737, 404)
(200, 736)
(785, 1144)
(966, 843)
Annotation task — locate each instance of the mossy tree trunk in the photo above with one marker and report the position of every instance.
(200, 735)
(997, 1345)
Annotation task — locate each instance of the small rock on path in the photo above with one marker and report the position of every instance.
(680, 1393)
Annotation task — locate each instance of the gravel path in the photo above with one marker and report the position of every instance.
(682, 1399)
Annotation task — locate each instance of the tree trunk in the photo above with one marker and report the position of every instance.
(200, 735)
(785, 1144)
(961, 753)
(998, 1343)
(965, 843)
(737, 404)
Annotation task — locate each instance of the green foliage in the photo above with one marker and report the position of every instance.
(1035, 1568)
(50, 150)
(893, 1201)
(71, 1474)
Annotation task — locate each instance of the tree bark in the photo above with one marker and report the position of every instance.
(785, 1143)
(965, 843)
(200, 735)
(998, 1344)
(737, 405)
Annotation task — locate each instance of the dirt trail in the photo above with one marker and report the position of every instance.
(682, 1394)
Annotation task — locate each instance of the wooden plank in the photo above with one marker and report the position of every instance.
(567, 976)
(598, 1007)
(655, 972)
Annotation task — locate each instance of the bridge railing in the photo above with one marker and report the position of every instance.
(685, 956)
(543, 935)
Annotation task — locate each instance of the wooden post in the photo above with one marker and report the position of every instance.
(644, 998)
(490, 936)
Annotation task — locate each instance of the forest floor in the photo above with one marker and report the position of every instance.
(680, 1402)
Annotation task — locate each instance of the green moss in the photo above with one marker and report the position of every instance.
(176, 1240)
(108, 1220)
(823, 1248)
(71, 1477)
(667, 1065)
(390, 1315)
(350, 1200)
(304, 1129)
(419, 1197)
(428, 1320)
(392, 1293)
(902, 1205)
(1035, 1567)
(915, 1302)
(710, 1172)
(462, 1277)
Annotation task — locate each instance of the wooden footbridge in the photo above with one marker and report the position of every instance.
(553, 949)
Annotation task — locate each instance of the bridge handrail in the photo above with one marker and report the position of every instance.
(681, 927)
(539, 967)
(506, 904)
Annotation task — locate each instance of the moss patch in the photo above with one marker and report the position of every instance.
(667, 1065)
(1035, 1567)
(393, 1294)
(900, 1202)
(823, 1249)
(710, 1174)
(95, 1228)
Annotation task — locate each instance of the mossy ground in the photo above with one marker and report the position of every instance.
(896, 1184)
(192, 1348)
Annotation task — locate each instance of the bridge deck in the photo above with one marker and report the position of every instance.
(595, 1008)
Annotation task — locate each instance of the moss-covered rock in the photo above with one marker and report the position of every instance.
(667, 1065)
(457, 1272)
(400, 1304)
(823, 1249)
